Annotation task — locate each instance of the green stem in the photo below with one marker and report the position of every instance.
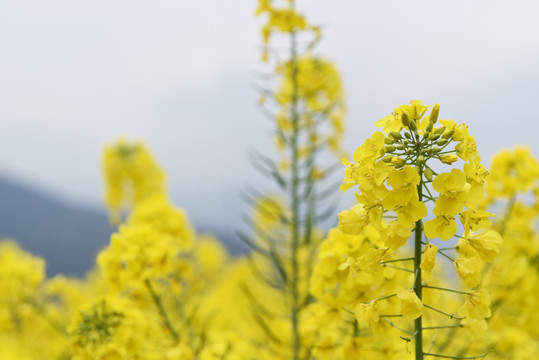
(448, 248)
(386, 297)
(397, 260)
(398, 268)
(40, 310)
(441, 327)
(310, 184)
(294, 193)
(508, 211)
(456, 357)
(397, 327)
(418, 288)
(445, 255)
(446, 289)
(444, 313)
(161, 309)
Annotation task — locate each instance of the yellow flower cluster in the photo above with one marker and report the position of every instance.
(146, 299)
(317, 85)
(283, 18)
(397, 174)
(513, 277)
(131, 175)
(149, 246)
(163, 292)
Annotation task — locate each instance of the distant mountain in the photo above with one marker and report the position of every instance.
(67, 236)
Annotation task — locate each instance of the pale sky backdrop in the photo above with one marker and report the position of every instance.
(75, 75)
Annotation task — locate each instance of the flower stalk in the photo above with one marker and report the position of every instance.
(418, 286)
(161, 309)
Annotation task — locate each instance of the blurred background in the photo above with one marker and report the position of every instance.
(180, 75)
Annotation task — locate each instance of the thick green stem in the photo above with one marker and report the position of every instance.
(161, 309)
(294, 193)
(418, 324)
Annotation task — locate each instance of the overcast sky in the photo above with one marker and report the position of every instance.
(74, 75)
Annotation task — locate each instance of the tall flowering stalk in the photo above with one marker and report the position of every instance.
(155, 258)
(399, 172)
(305, 99)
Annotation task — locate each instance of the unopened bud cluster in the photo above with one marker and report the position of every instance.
(416, 144)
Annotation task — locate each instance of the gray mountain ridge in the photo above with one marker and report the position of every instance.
(68, 236)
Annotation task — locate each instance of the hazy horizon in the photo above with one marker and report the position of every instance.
(180, 75)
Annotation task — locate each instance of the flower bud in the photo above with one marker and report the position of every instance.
(448, 134)
(435, 150)
(434, 114)
(413, 125)
(420, 159)
(387, 158)
(440, 130)
(405, 119)
(429, 128)
(388, 141)
(395, 135)
(428, 174)
(441, 142)
(407, 135)
(401, 147)
(435, 137)
(389, 148)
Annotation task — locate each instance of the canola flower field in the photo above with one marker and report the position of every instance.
(437, 259)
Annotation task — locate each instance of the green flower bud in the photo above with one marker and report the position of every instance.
(413, 125)
(389, 141)
(442, 142)
(407, 135)
(387, 158)
(435, 150)
(420, 159)
(440, 130)
(406, 142)
(429, 128)
(448, 134)
(389, 148)
(405, 119)
(428, 174)
(435, 137)
(434, 114)
(409, 151)
(401, 147)
(395, 135)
